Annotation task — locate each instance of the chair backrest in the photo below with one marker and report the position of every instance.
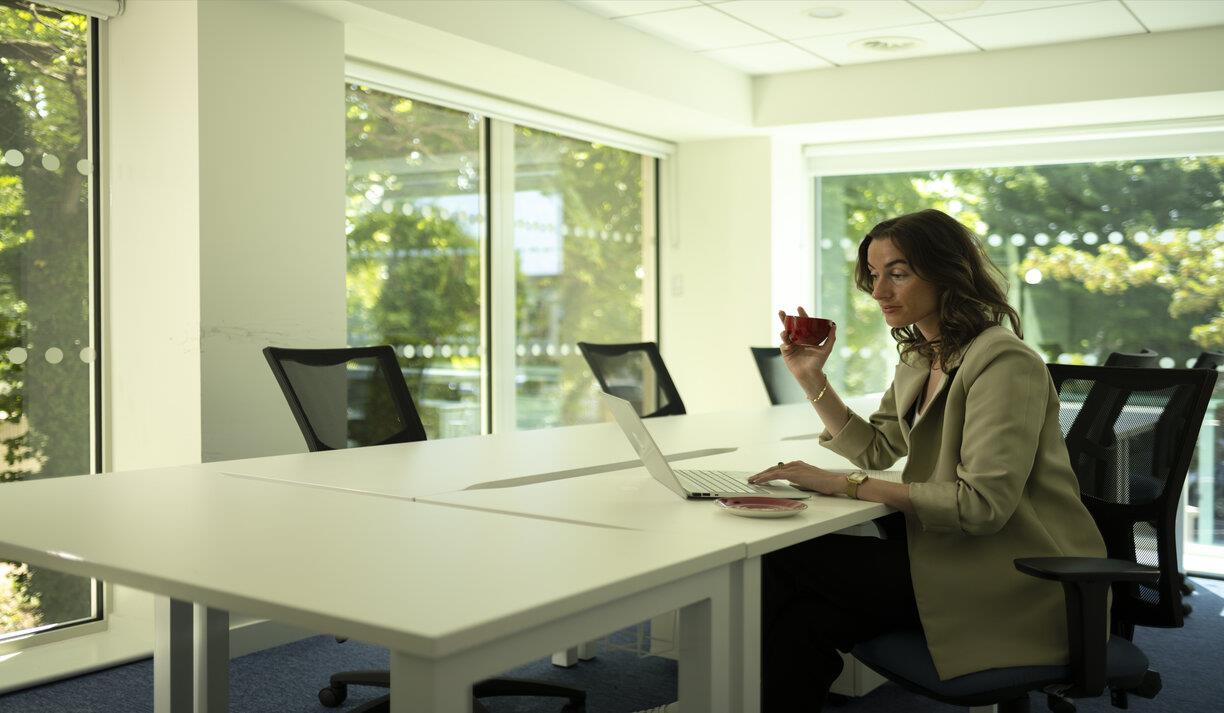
(1143, 358)
(1131, 456)
(1208, 360)
(779, 384)
(346, 398)
(1103, 404)
(634, 372)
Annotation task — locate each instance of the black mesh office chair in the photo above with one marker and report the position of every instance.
(779, 384)
(353, 397)
(634, 372)
(1208, 360)
(1143, 358)
(1141, 567)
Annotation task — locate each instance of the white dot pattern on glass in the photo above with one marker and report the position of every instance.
(88, 355)
(13, 157)
(17, 355)
(84, 167)
(50, 162)
(54, 355)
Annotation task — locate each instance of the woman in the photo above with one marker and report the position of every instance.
(987, 480)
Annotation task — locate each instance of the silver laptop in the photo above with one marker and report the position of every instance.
(689, 483)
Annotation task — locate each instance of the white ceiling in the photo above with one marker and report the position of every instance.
(772, 36)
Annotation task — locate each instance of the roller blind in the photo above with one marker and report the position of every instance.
(101, 9)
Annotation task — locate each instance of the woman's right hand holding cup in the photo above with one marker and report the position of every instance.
(806, 361)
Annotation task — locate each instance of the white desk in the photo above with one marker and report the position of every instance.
(632, 499)
(262, 549)
(410, 470)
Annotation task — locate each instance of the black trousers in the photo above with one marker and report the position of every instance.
(825, 595)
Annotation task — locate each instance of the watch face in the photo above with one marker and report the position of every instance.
(857, 478)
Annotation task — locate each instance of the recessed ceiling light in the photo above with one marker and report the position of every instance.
(886, 44)
(827, 12)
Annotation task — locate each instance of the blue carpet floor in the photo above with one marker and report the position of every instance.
(286, 679)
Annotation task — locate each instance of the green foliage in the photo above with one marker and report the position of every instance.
(1150, 275)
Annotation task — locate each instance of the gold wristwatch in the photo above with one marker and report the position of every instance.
(853, 481)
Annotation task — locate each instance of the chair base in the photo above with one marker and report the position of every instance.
(335, 693)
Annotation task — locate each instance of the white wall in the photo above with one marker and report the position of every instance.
(715, 269)
(272, 257)
(151, 308)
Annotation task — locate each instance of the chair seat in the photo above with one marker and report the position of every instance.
(903, 657)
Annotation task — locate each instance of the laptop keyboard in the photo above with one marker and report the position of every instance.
(715, 481)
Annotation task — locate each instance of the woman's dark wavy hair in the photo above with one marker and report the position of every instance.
(945, 253)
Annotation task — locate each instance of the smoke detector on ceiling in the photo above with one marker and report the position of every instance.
(886, 44)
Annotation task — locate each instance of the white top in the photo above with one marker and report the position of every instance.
(633, 499)
(353, 565)
(409, 470)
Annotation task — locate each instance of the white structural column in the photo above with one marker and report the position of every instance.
(211, 645)
(172, 690)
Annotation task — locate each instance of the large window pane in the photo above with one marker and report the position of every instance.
(415, 227)
(1101, 257)
(580, 262)
(46, 322)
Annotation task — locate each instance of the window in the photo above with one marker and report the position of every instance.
(48, 278)
(578, 223)
(415, 224)
(580, 268)
(1099, 257)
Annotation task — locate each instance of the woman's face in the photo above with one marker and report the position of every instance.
(904, 298)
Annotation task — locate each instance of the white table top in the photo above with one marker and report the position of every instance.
(409, 470)
(631, 498)
(354, 565)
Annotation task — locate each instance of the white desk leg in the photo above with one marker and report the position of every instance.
(746, 634)
(566, 658)
(705, 656)
(422, 686)
(574, 654)
(172, 691)
(586, 651)
(211, 660)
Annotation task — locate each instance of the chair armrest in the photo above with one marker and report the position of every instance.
(1088, 569)
(1086, 582)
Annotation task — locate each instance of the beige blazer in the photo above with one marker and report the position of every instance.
(990, 481)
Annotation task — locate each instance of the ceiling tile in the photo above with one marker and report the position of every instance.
(1107, 18)
(790, 19)
(1162, 15)
(933, 38)
(768, 58)
(960, 9)
(623, 8)
(698, 28)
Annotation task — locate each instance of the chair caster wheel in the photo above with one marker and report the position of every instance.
(332, 696)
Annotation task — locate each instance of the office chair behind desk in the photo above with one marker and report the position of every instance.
(636, 373)
(354, 397)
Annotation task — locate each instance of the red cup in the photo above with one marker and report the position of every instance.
(807, 330)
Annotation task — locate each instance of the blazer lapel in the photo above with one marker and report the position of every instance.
(906, 385)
